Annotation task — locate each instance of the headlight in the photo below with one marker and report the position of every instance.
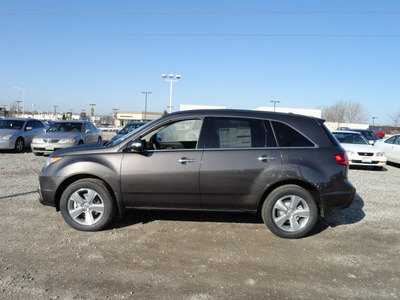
(37, 141)
(380, 154)
(349, 152)
(51, 160)
(67, 141)
(7, 137)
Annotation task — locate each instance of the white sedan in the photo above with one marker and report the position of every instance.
(392, 148)
(359, 151)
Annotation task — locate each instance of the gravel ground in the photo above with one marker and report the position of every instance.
(178, 255)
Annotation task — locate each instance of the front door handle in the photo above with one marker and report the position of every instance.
(266, 158)
(185, 160)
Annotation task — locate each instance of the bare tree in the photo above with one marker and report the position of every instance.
(395, 117)
(12, 110)
(345, 112)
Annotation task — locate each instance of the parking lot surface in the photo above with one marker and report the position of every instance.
(353, 253)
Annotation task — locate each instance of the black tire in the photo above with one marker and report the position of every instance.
(290, 212)
(19, 145)
(80, 142)
(86, 205)
(380, 168)
(38, 153)
(100, 139)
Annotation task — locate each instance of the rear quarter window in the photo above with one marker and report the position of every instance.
(286, 136)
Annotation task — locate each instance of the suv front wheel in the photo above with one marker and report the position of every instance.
(290, 212)
(87, 205)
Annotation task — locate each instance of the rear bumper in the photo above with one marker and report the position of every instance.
(341, 198)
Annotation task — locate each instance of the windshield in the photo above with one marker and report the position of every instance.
(130, 127)
(127, 136)
(351, 138)
(370, 135)
(11, 124)
(66, 127)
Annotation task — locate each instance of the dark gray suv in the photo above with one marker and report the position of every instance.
(287, 167)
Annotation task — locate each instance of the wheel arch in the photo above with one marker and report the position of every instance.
(68, 181)
(305, 185)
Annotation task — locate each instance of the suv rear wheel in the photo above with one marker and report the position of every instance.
(290, 212)
(87, 205)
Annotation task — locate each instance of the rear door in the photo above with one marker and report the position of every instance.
(240, 160)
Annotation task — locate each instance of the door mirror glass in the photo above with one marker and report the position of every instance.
(136, 146)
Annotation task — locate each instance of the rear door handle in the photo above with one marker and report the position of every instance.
(185, 160)
(266, 158)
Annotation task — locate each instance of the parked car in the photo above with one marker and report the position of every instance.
(392, 148)
(290, 168)
(359, 151)
(128, 128)
(64, 134)
(369, 135)
(17, 133)
(378, 132)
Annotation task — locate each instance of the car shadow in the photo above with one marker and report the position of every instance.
(393, 164)
(17, 195)
(350, 215)
(137, 216)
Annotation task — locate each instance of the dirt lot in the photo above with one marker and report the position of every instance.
(179, 255)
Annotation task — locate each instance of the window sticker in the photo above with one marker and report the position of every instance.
(235, 137)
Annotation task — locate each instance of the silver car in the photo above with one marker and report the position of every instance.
(64, 134)
(17, 133)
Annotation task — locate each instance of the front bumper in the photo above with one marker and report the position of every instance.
(7, 144)
(45, 148)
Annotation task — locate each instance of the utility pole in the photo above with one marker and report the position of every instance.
(145, 105)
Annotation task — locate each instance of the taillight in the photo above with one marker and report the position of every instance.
(342, 159)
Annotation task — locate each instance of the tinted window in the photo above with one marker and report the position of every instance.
(237, 133)
(288, 137)
(38, 124)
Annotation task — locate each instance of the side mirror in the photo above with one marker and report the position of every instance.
(371, 143)
(87, 131)
(136, 146)
(28, 128)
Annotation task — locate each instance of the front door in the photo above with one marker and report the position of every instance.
(166, 173)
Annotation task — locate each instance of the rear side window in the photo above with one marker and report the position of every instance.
(288, 137)
(238, 133)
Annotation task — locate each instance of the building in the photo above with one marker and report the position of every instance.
(123, 118)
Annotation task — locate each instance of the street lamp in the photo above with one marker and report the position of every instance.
(23, 97)
(171, 78)
(275, 102)
(145, 105)
(373, 120)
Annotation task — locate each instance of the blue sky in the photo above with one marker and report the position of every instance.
(74, 70)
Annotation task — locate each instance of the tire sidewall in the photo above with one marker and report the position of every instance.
(277, 194)
(97, 186)
(21, 141)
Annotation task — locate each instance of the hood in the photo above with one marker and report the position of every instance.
(58, 135)
(116, 137)
(83, 149)
(4, 132)
(359, 148)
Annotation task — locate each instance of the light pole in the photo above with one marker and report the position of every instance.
(145, 105)
(55, 110)
(373, 120)
(23, 97)
(275, 102)
(171, 78)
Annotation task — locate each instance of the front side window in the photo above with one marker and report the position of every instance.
(178, 135)
(238, 133)
(288, 137)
